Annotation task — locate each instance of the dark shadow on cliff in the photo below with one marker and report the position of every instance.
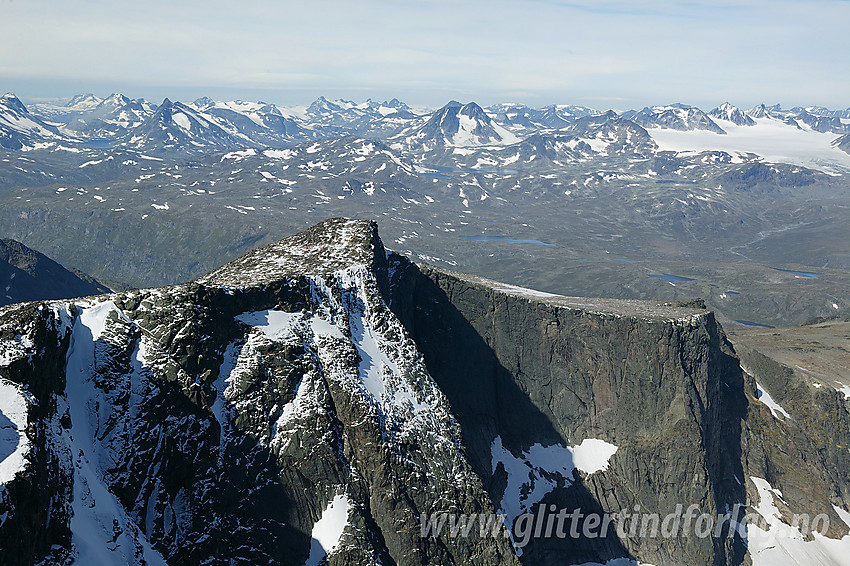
(9, 437)
(487, 402)
(726, 411)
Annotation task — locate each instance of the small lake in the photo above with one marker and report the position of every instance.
(622, 261)
(100, 143)
(806, 274)
(751, 323)
(505, 239)
(439, 172)
(672, 278)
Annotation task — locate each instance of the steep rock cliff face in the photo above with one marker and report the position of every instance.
(223, 420)
(313, 399)
(693, 423)
(660, 382)
(797, 438)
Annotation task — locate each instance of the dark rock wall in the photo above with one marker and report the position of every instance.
(806, 456)
(668, 394)
(37, 503)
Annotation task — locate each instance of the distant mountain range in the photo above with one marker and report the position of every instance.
(521, 117)
(208, 125)
(165, 191)
(674, 117)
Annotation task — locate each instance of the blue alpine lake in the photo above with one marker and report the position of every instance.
(672, 278)
(506, 240)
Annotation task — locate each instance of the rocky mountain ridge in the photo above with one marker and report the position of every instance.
(21, 129)
(120, 121)
(674, 117)
(231, 417)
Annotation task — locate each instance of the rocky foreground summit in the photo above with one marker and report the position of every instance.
(313, 399)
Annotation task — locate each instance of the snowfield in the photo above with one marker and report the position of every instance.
(14, 444)
(773, 140)
(328, 529)
(783, 545)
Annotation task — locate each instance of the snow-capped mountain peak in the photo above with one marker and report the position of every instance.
(115, 99)
(176, 114)
(9, 100)
(324, 106)
(19, 129)
(762, 111)
(175, 125)
(674, 117)
(457, 125)
(83, 102)
(731, 113)
(394, 103)
(260, 122)
(202, 103)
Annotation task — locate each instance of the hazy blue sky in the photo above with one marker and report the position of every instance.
(603, 54)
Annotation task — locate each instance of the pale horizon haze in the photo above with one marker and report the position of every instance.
(605, 54)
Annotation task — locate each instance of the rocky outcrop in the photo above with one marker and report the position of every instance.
(843, 143)
(35, 506)
(312, 401)
(216, 421)
(797, 438)
(730, 113)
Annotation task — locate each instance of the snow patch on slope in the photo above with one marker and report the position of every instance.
(844, 390)
(101, 530)
(466, 135)
(220, 407)
(532, 474)
(523, 291)
(780, 544)
(328, 530)
(273, 324)
(14, 443)
(775, 409)
(281, 326)
(94, 317)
